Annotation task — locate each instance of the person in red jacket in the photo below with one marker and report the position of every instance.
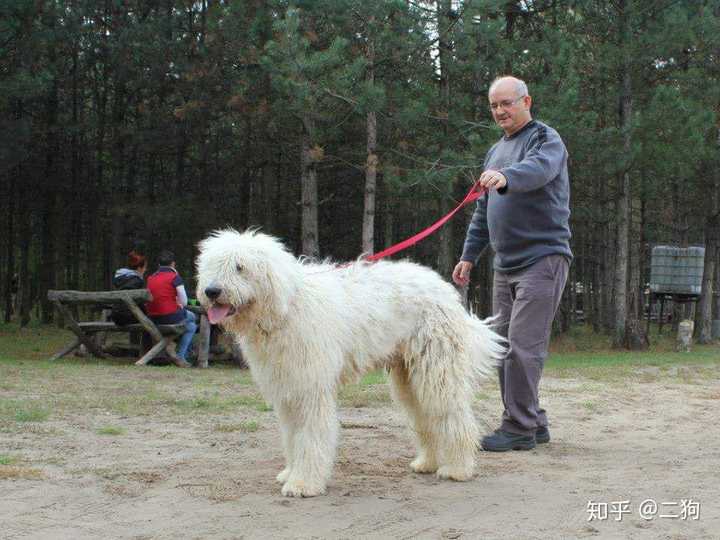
(169, 301)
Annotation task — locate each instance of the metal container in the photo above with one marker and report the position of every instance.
(675, 270)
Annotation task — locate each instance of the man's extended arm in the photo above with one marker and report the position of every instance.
(542, 162)
(477, 234)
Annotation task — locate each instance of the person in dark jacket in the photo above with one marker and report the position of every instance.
(127, 279)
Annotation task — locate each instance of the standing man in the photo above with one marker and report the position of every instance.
(524, 216)
(169, 302)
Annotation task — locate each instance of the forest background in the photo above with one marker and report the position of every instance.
(343, 127)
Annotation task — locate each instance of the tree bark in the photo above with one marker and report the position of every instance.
(309, 197)
(9, 293)
(371, 165)
(47, 268)
(445, 255)
(704, 315)
(627, 330)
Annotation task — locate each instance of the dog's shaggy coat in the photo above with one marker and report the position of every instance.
(307, 328)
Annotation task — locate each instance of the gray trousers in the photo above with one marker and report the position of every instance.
(525, 303)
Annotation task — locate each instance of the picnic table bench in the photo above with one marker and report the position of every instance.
(161, 334)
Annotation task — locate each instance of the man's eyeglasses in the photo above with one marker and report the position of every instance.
(505, 103)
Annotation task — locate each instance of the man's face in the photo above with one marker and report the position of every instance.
(510, 111)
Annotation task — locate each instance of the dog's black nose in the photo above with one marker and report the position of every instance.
(213, 292)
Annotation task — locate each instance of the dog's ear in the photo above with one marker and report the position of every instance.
(281, 281)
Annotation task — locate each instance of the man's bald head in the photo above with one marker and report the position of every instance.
(511, 83)
(510, 104)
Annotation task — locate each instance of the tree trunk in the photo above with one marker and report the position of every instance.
(388, 219)
(512, 10)
(607, 267)
(704, 316)
(310, 156)
(47, 268)
(636, 337)
(371, 165)
(24, 300)
(445, 255)
(716, 294)
(9, 292)
(624, 318)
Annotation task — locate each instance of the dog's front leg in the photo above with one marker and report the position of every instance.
(287, 435)
(313, 445)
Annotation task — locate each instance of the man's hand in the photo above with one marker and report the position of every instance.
(493, 179)
(461, 274)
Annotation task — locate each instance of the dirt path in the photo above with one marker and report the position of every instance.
(185, 477)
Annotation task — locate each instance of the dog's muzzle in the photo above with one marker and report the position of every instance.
(213, 293)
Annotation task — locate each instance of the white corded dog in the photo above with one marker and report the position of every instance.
(307, 328)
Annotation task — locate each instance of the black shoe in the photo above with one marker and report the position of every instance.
(542, 435)
(502, 441)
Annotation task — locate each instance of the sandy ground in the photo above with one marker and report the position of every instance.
(652, 437)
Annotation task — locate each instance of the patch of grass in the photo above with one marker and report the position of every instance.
(7, 460)
(374, 377)
(634, 366)
(247, 426)
(371, 391)
(264, 407)
(110, 430)
(582, 339)
(590, 406)
(218, 403)
(23, 410)
(359, 396)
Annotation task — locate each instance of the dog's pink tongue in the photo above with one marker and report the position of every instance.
(217, 313)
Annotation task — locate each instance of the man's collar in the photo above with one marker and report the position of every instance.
(519, 131)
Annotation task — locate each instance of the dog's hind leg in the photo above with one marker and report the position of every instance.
(314, 441)
(456, 435)
(403, 393)
(286, 436)
(443, 379)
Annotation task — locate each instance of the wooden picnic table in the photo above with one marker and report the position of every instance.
(161, 334)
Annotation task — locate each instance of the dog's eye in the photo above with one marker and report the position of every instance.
(239, 267)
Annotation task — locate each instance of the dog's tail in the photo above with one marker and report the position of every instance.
(450, 352)
(487, 347)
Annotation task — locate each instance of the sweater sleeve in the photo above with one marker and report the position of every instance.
(477, 236)
(181, 295)
(543, 161)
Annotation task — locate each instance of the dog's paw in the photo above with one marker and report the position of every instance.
(283, 475)
(423, 465)
(453, 472)
(298, 488)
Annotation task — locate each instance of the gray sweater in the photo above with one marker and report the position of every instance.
(528, 218)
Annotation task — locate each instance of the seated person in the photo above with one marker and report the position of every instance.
(125, 279)
(169, 301)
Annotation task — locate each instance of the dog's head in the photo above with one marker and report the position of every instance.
(245, 278)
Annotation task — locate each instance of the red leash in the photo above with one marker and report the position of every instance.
(475, 193)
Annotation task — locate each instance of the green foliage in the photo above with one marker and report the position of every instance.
(111, 430)
(158, 122)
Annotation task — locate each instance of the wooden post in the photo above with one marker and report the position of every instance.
(100, 336)
(684, 337)
(204, 344)
(660, 316)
